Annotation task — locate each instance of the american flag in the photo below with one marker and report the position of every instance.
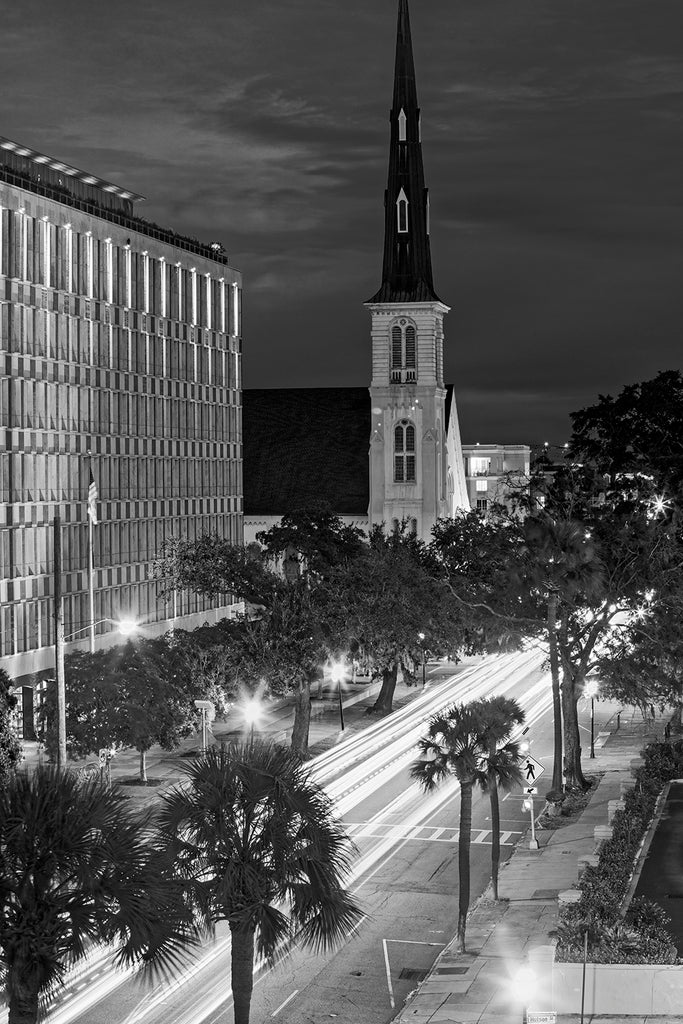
(92, 499)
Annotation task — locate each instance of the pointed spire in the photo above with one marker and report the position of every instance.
(407, 265)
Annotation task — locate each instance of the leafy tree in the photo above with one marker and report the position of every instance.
(311, 541)
(500, 716)
(456, 744)
(78, 866)
(638, 432)
(377, 605)
(10, 747)
(137, 695)
(257, 840)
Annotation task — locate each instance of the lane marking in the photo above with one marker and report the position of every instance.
(282, 1005)
(387, 968)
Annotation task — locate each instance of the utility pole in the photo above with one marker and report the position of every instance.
(59, 645)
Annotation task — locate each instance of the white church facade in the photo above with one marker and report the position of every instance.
(395, 453)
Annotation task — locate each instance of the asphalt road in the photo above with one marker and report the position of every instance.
(660, 879)
(405, 879)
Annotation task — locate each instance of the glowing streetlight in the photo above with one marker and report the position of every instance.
(252, 712)
(337, 675)
(424, 660)
(127, 627)
(523, 988)
(590, 690)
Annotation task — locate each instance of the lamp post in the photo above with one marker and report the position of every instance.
(252, 713)
(337, 676)
(591, 690)
(207, 708)
(524, 984)
(424, 660)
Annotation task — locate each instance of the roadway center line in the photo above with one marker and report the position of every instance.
(282, 1005)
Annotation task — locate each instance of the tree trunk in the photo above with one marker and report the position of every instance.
(242, 964)
(557, 785)
(464, 861)
(23, 996)
(143, 766)
(495, 833)
(384, 703)
(302, 719)
(572, 741)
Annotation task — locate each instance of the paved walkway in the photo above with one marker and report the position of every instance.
(479, 987)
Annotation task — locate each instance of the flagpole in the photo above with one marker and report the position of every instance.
(91, 584)
(92, 496)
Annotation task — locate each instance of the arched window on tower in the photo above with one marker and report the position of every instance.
(403, 353)
(402, 125)
(402, 212)
(404, 452)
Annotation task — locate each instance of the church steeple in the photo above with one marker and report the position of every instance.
(407, 265)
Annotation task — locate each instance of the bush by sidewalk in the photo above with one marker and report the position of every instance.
(640, 936)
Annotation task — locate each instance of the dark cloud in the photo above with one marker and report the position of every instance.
(552, 147)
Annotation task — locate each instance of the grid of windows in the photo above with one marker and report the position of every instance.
(404, 452)
(101, 369)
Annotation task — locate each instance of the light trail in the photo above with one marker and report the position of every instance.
(367, 760)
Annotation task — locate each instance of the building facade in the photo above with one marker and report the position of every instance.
(390, 453)
(121, 369)
(491, 469)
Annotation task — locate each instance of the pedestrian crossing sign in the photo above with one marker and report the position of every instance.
(531, 770)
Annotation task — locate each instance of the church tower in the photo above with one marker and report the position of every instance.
(416, 470)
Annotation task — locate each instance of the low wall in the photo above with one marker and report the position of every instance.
(611, 989)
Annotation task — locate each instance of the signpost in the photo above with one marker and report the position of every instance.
(531, 772)
(541, 1017)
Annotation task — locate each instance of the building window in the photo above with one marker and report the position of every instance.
(404, 452)
(108, 271)
(482, 504)
(403, 352)
(402, 212)
(481, 485)
(128, 275)
(162, 285)
(222, 294)
(47, 255)
(402, 126)
(145, 283)
(479, 466)
(209, 321)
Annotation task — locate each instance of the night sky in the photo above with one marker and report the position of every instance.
(553, 149)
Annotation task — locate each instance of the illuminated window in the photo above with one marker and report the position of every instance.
(222, 282)
(89, 268)
(108, 271)
(193, 296)
(68, 276)
(180, 290)
(208, 301)
(128, 282)
(46, 252)
(404, 452)
(481, 485)
(479, 466)
(402, 212)
(236, 309)
(145, 283)
(163, 279)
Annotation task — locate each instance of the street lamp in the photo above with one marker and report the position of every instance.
(208, 712)
(424, 660)
(252, 713)
(337, 676)
(591, 690)
(523, 988)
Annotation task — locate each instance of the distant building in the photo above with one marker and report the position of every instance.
(121, 359)
(491, 468)
(391, 452)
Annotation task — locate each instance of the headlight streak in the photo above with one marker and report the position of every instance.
(386, 746)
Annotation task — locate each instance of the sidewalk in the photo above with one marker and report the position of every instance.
(477, 987)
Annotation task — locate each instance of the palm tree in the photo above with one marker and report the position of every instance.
(500, 714)
(258, 841)
(78, 867)
(456, 744)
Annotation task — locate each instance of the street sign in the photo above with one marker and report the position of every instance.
(531, 790)
(531, 769)
(541, 1017)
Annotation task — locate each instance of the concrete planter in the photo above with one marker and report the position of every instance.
(612, 989)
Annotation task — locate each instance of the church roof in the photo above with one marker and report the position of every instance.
(407, 262)
(306, 445)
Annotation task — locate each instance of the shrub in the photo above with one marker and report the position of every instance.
(642, 935)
